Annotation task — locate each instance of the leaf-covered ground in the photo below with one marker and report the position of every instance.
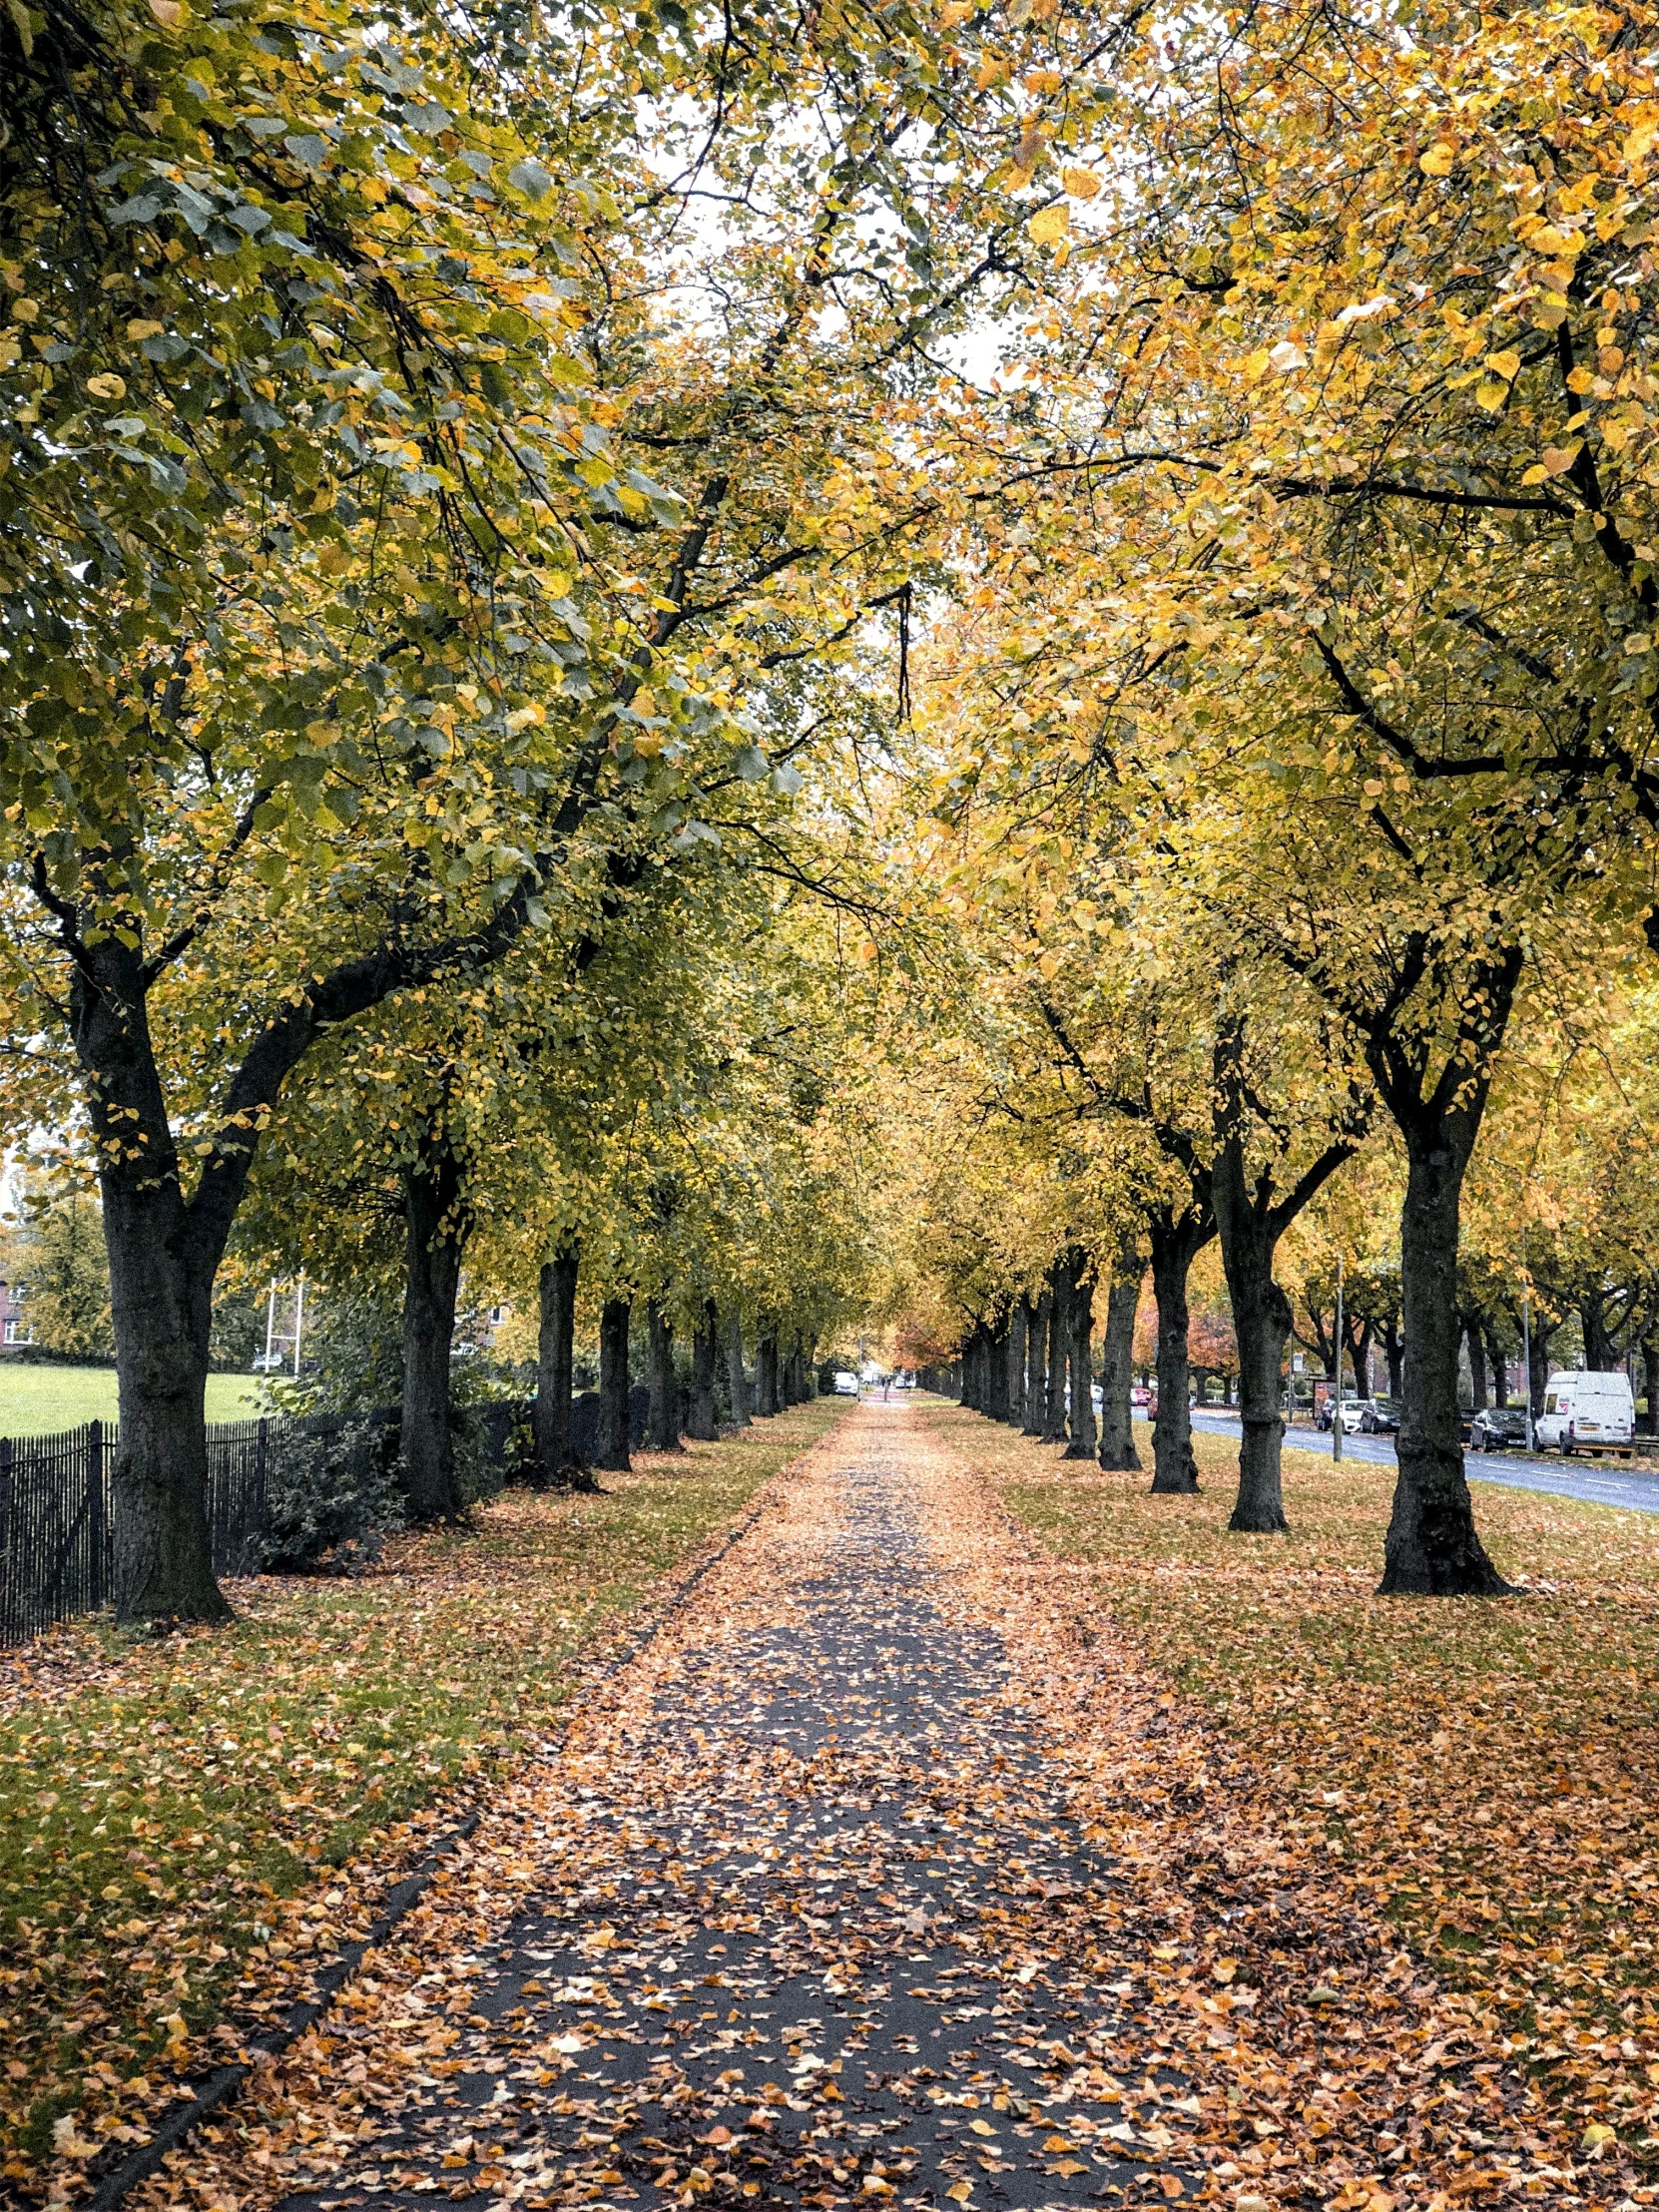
(186, 1824)
(1483, 1776)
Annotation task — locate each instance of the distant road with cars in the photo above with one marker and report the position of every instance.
(1596, 1482)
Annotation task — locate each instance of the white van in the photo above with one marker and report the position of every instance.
(1585, 1411)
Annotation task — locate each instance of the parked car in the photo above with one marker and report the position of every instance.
(1587, 1412)
(846, 1384)
(1357, 1419)
(1140, 1394)
(1498, 1428)
(1385, 1416)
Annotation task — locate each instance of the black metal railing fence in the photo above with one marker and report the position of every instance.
(57, 1557)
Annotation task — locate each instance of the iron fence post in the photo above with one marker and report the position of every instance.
(95, 1517)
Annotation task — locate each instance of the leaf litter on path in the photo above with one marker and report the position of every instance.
(888, 1875)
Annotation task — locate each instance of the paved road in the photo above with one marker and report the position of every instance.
(1635, 1489)
(830, 1935)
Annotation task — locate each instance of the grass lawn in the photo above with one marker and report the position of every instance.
(1484, 1771)
(42, 1401)
(158, 1801)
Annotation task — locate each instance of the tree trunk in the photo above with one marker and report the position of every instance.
(615, 1319)
(1080, 1362)
(161, 1306)
(737, 1382)
(163, 1258)
(1538, 1373)
(1019, 1318)
(766, 1376)
(1036, 1364)
(1600, 1355)
(996, 1369)
(1261, 1326)
(662, 1427)
(1173, 1469)
(435, 1237)
(1498, 1361)
(556, 1461)
(1359, 1353)
(1394, 1350)
(700, 1423)
(1117, 1378)
(1054, 1391)
(1431, 1548)
(1476, 1344)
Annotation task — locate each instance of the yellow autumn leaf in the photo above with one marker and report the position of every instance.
(1082, 184)
(1505, 364)
(1636, 146)
(168, 12)
(1439, 159)
(1557, 460)
(962, 2192)
(1490, 394)
(106, 387)
(1049, 224)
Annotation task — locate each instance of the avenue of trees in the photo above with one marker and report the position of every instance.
(556, 563)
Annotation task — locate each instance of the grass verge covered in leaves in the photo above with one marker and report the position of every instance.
(169, 1812)
(1483, 1773)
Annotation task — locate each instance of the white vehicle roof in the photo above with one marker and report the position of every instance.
(1599, 1380)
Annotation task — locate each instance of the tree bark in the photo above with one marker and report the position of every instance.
(1020, 1317)
(766, 1376)
(1394, 1350)
(700, 1422)
(556, 1461)
(1117, 1374)
(1476, 1343)
(1036, 1364)
(1497, 1360)
(1431, 1548)
(1175, 1239)
(1262, 1326)
(164, 1254)
(1080, 1361)
(662, 1425)
(436, 1227)
(615, 1321)
(737, 1382)
(996, 1369)
(1054, 1389)
(1649, 1424)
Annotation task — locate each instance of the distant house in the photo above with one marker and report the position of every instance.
(14, 1327)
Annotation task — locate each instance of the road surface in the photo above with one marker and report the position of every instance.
(1608, 1482)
